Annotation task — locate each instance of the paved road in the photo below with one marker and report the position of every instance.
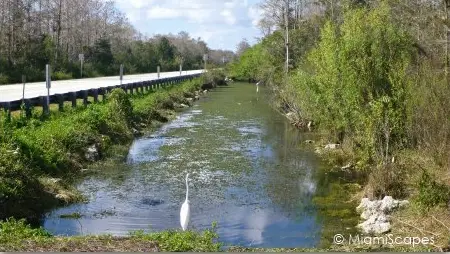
(14, 92)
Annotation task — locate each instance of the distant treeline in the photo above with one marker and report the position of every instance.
(34, 33)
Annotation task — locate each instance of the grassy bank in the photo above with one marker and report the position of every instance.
(40, 157)
(16, 235)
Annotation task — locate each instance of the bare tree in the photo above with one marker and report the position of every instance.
(241, 47)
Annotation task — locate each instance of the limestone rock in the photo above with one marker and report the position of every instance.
(376, 214)
(92, 153)
(332, 146)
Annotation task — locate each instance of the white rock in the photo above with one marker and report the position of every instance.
(135, 131)
(375, 213)
(375, 228)
(403, 203)
(63, 197)
(290, 115)
(55, 180)
(332, 146)
(388, 204)
(347, 167)
(92, 153)
(363, 205)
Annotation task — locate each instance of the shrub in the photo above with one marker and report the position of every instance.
(386, 180)
(15, 177)
(61, 75)
(432, 193)
(3, 79)
(358, 84)
(119, 105)
(13, 233)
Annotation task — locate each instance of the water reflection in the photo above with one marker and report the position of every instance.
(247, 173)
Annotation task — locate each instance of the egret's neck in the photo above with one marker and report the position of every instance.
(187, 189)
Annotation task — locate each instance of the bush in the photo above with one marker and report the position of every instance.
(61, 75)
(119, 106)
(386, 180)
(432, 193)
(358, 83)
(16, 178)
(16, 230)
(3, 79)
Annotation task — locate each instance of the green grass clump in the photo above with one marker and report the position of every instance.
(71, 216)
(178, 241)
(13, 233)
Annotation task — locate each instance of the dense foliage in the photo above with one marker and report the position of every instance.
(370, 78)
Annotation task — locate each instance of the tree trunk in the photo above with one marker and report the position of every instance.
(447, 38)
(58, 36)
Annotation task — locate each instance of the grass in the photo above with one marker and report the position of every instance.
(75, 215)
(334, 249)
(16, 235)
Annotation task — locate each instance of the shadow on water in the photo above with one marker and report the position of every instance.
(249, 173)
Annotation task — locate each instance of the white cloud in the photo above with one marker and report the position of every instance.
(255, 14)
(138, 3)
(196, 11)
(162, 13)
(215, 21)
(229, 17)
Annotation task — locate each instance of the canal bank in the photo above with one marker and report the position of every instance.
(42, 158)
(250, 173)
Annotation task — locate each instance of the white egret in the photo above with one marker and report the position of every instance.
(185, 212)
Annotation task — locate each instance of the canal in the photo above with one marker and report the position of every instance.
(250, 172)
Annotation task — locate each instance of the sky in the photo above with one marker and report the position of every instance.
(222, 24)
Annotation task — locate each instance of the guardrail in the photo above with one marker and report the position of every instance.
(136, 87)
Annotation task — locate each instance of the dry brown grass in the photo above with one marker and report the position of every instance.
(415, 223)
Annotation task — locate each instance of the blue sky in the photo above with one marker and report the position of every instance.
(221, 23)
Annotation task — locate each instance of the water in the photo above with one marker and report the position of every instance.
(249, 173)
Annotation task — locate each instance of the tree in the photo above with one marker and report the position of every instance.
(242, 47)
(101, 56)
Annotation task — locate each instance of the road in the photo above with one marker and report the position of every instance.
(14, 92)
